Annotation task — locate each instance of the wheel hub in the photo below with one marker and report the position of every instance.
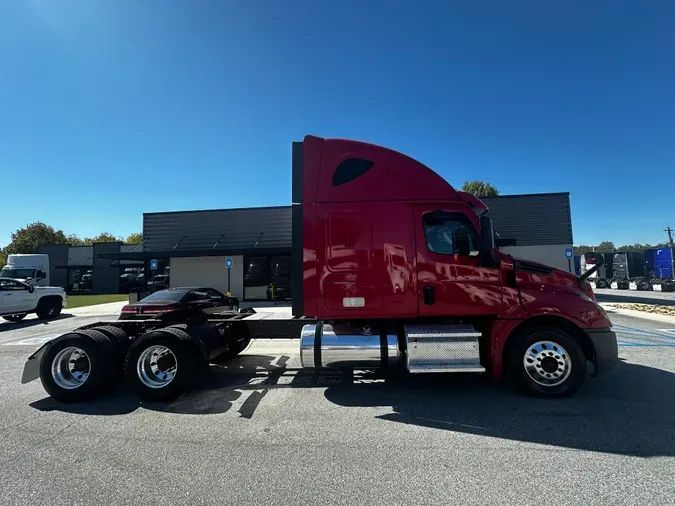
(157, 366)
(70, 368)
(547, 363)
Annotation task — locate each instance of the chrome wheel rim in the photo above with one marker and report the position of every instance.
(157, 366)
(70, 368)
(547, 363)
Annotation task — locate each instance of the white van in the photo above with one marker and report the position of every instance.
(26, 267)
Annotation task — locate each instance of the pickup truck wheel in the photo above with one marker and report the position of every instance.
(161, 365)
(48, 308)
(15, 317)
(546, 362)
(77, 366)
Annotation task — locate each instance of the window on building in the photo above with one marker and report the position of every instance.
(267, 277)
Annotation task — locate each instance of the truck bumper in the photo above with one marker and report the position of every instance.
(606, 350)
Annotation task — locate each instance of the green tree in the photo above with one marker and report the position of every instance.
(582, 249)
(480, 189)
(134, 238)
(605, 247)
(3, 258)
(103, 237)
(73, 240)
(26, 239)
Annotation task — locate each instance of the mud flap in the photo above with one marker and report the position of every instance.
(31, 369)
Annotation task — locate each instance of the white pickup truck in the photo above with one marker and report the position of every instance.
(18, 298)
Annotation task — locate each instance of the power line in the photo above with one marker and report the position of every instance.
(670, 235)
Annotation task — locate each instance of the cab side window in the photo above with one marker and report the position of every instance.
(450, 234)
(8, 284)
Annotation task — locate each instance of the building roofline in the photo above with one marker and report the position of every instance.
(549, 194)
(254, 208)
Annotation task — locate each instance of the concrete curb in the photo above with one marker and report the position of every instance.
(639, 314)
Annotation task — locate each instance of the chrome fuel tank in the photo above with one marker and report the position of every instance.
(344, 346)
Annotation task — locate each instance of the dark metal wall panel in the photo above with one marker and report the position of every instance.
(105, 279)
(58, 256)
(239, 228)
(534, 219)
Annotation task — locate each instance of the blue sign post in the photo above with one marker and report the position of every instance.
(153, 264)
(228, 263)
(569, 254)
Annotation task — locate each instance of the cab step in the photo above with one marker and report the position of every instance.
(442, 348)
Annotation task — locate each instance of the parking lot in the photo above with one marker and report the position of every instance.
(262, 432)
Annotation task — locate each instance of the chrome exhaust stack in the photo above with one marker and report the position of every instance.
(345, 346)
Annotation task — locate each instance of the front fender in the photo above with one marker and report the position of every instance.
(580, 309)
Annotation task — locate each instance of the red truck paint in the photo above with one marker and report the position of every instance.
(365, 238)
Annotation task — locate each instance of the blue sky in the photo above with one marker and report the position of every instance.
(112, 108)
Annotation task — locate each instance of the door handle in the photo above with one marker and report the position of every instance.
(429, 295)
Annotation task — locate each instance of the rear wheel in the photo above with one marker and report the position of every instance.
(546, 362)
(49, 308)
(643, 284)
(15, 317)
(77, 366)
(601, 283)
(162, 364)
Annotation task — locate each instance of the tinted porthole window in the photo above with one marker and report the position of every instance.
(350, 169)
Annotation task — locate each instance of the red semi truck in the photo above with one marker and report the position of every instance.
(392, 268)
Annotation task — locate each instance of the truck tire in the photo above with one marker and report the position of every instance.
(235, 350)
(643, 284)
(15, 317)
(49, 307)
(601, 283)
(121, 343)
(77, 366)
(162, 364)
(546, 362)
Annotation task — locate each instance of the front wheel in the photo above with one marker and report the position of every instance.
(14, 317)
(49, 308)
(546, 362)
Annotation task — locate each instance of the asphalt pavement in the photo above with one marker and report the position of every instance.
(635, 297)
(262, 432)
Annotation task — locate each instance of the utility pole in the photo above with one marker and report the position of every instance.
(670, 235)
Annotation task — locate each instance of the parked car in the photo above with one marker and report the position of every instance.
(205, 299)
(18, 298)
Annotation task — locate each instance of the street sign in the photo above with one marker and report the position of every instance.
(569, 252)
(153, 264)
(228, 262)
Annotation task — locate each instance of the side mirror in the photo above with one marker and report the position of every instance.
(31, 288)
(488, 252)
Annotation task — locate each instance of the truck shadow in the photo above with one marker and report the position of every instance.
(624, 412)
(629, 411)
(6, 326)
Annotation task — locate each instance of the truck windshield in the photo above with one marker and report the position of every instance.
(9, 272)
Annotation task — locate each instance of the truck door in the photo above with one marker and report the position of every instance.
(16, 297)
(450, 278)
